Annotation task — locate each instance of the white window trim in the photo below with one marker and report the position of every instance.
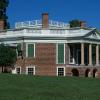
(61, 67)
(73, 58)
(30, 67)
(16, 69)
(57, 53)
(27, 49)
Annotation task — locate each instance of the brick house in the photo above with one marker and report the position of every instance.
(49, 48)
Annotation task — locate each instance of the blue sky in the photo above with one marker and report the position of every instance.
(59, 10)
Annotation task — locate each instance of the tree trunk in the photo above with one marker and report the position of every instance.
(2, 69)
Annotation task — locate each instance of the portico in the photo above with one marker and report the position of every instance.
(84, 54)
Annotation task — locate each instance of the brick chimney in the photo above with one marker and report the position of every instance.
(82, 24)
(45, 20)
(2, 24)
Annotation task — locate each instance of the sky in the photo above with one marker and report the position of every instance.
(59, 10)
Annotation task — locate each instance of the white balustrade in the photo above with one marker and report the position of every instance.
(38, 23)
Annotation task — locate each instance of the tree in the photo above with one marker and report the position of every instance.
(3, 16)
(8, 56)
(74, 23)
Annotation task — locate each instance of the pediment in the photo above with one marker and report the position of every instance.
(93, 35)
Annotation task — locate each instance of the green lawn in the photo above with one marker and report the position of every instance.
(22, 87)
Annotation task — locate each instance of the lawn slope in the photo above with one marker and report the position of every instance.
(22, 87)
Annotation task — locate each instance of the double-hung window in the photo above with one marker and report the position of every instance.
(18, 70)
(30, 70)
(60, 71)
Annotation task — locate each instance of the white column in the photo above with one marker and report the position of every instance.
(90, 54)
(97, 55)
(82, 53)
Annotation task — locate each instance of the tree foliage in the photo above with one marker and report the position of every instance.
(7, 56)
(74, 23)
(3, 6)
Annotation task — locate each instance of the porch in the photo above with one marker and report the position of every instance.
(84, 54)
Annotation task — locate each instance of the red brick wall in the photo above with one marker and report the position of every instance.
(82, 70)
(45, 61)
(45, 54)
(2, 24)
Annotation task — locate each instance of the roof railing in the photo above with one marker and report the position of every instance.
(38, 24)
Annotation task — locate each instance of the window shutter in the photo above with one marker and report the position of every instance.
(60, 53)
(30, 50)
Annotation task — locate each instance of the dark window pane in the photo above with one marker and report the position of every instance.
(18, 70)
(30, 71)
(60, 71)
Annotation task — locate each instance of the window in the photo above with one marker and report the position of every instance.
(30, 50)
(61, 53)
(60, 71)
(18, 70)
(30, 70)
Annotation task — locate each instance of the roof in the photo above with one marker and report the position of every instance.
(71, 34)
(78, 32)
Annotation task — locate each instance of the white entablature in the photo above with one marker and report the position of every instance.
(44, 33)
(77, 35)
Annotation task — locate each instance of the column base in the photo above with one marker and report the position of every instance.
(97, 65)
(82, 64)
(90, 65)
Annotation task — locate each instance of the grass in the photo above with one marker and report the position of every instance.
(22, 87)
